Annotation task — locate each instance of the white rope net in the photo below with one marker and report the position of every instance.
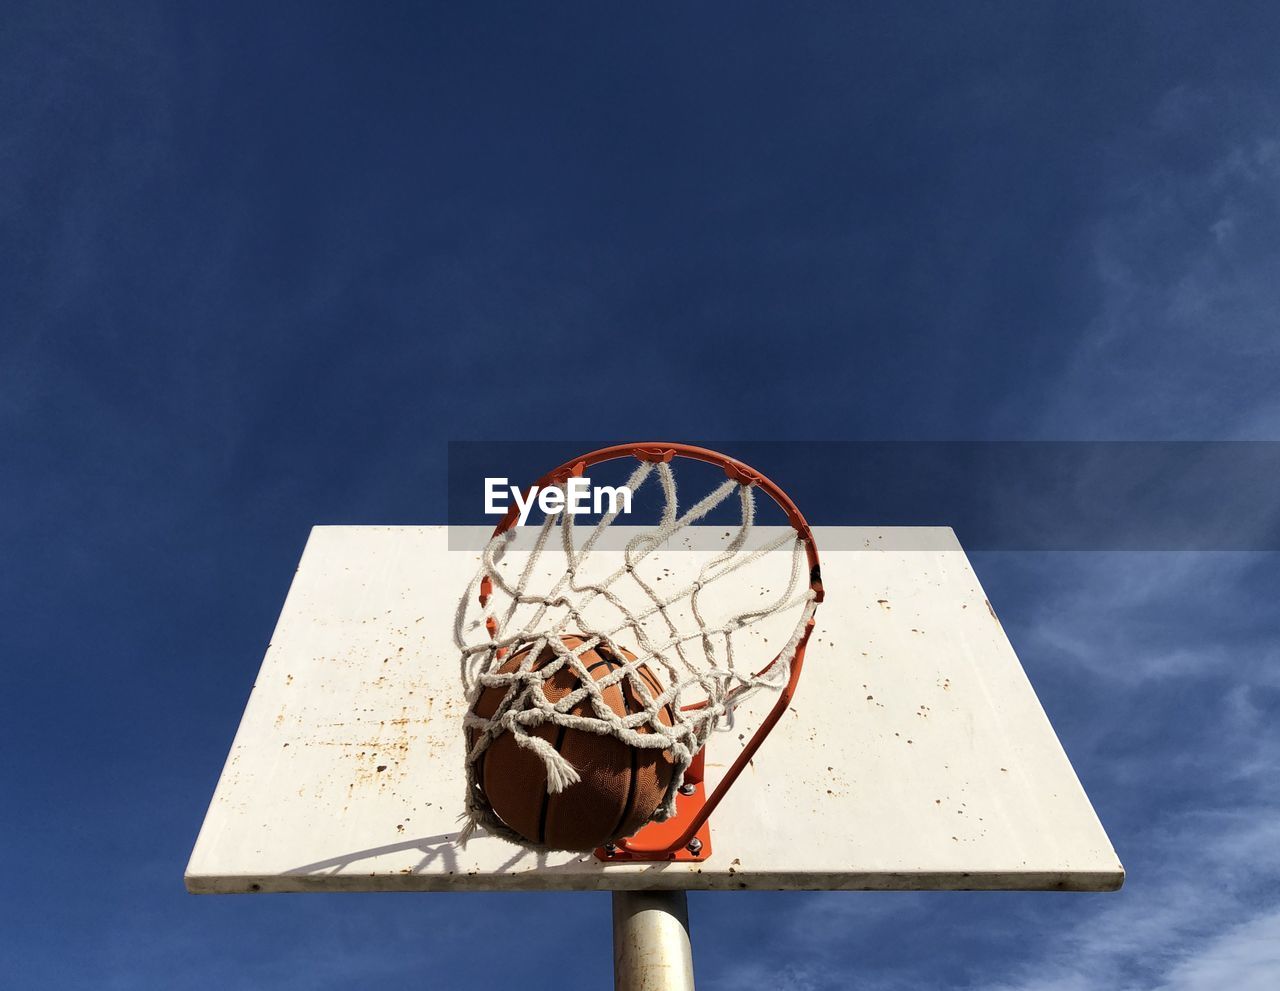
(688, 637)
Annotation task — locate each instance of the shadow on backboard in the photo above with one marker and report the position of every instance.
(440, 858)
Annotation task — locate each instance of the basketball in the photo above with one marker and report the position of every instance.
(621, 786)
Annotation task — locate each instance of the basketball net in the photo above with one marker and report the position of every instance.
(688, 637)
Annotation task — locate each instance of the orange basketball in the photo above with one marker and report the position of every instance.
(621, 786)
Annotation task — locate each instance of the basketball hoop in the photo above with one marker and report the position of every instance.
(671, 661)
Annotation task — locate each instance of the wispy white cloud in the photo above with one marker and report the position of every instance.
(1184, 337)
(1194, 913)
(1184, 649)
(1135, 617)
(1246, 958)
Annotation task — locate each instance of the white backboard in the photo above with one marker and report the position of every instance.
(915, 754)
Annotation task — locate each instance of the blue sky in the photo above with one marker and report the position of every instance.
(262, 262)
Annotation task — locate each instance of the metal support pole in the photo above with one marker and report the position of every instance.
(651, 950)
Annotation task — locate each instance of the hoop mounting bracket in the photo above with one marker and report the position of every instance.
(660, 841)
